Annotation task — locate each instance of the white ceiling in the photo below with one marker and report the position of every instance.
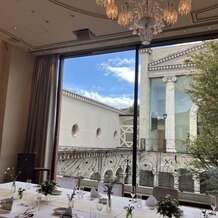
(48, 26)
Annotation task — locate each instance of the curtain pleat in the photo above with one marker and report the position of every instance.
(42, 110)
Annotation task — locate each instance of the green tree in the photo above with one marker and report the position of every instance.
(204, 93)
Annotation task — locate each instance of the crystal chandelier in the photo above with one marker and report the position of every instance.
(145, 18)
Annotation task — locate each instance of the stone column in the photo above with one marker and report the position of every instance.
(144, 114)
(196, 184)
(193, 122)
(170, 111)
(176, 180)
(156, 178)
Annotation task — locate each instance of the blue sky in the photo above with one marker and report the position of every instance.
(108, 78)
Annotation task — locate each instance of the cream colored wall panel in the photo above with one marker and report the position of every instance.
(16, 107)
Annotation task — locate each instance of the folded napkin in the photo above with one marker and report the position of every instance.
(6, 204)
(67, 213)
(94, 193)
(151, 201)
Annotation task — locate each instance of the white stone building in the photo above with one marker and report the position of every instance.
(88, 123)
(168, 118)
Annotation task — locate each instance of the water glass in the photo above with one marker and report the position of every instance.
(79, 194)
(99, 206)
(139, 200)
(38, 200)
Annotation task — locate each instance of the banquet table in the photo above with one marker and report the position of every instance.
(84, 207)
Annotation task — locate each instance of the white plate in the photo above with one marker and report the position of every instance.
(59, 210)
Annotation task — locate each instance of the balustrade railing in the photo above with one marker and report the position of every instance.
(153, 168)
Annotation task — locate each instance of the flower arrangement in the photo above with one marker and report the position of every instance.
(129, 210)
(71, 196)
(10, 172)
(108, 186)
(47, 187)
(20, 193)
(168, 207)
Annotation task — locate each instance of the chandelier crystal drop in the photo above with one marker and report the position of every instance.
(101, 2)
(185, 7)
(112, 10)
(145, 18)
(170, 14)
(125, 15)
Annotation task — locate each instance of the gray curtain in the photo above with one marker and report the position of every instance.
(42, 110)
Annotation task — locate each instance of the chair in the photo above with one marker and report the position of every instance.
(159, 192)
(26, 164)
(67, 182)
(118, 189)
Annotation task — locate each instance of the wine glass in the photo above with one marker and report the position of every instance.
(133, 193)
(213, 204)
(38, 200)
(99, 205)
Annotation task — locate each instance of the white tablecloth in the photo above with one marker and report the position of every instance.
(82, 207)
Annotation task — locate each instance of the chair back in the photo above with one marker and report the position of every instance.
(118, 189)
(26, 164)
(67, 182)
(159, 192)
(101, 187)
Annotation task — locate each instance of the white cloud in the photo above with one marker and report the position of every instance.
(122, 61)
(123, 73)
(123, 69)
(117, 102)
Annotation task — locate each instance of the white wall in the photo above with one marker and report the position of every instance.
(88, 117)
(15, 104)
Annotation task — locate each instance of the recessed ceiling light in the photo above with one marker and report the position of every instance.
(15, 28)
(209, 27)
(184, 31)
(68, 49)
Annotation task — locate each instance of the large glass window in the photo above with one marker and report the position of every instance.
(97, 117)
(158, 98)
(97, 90)
(156, 136)
(96, 114)
(183, 105)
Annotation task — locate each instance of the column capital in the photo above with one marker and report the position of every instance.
(168, 79)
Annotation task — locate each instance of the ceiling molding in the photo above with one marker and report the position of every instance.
(17, 38)
(205, 25)
(70, 7)
(202, 15)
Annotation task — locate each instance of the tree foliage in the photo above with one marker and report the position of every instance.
(204, 93)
